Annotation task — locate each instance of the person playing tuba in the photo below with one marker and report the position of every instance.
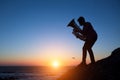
(87, 34)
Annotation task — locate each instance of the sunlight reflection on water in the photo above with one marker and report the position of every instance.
(31, 73)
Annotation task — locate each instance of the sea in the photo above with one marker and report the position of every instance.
(31, 72)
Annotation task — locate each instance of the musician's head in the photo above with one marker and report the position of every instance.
(81, 20)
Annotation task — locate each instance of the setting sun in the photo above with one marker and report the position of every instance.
(55, 64)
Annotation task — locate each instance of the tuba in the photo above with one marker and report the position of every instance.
(76, 27)
(73, 25)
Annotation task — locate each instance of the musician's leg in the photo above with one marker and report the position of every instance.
(91, 43)
(91, 55)
(84, 54)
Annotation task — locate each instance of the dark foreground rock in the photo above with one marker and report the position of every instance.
(105, 69)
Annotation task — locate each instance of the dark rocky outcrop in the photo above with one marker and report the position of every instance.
(105, 69)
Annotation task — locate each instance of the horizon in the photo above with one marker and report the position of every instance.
(35, 32)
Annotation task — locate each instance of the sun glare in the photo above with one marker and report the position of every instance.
(55, 64)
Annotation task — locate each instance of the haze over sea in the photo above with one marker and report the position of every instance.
(31, 72)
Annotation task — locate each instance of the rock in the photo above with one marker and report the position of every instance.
(104, 69)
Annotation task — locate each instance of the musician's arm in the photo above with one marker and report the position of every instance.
(81, 37)
(78, 30)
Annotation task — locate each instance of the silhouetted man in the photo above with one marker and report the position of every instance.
(87, 34)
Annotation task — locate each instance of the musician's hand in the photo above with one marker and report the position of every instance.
(75, 30)
(76, 34)
(79, 36)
